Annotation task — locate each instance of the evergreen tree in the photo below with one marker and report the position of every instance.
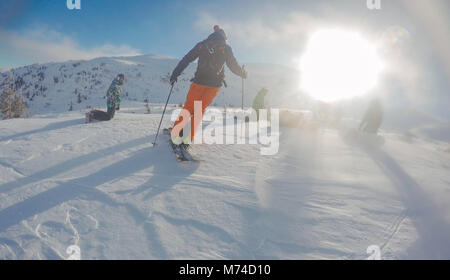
(19, 108)
(6, 102)
(12, 105)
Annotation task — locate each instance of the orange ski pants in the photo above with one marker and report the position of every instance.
(206, 95)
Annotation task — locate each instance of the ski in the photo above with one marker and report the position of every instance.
(181, 154)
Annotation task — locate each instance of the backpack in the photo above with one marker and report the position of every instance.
(212, 61)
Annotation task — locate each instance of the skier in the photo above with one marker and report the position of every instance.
(212, 53)
(259, 101)
(112, 101)
(373, 117)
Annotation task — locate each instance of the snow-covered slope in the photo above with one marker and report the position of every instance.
(436, 131)
(104, 188)
(52, 87)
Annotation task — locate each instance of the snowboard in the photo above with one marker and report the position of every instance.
(181, 154)
(89, 118)
(93, 116)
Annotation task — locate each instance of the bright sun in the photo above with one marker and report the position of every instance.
(338, 64)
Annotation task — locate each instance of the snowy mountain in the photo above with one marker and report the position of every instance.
(52, 87)
(105, 189)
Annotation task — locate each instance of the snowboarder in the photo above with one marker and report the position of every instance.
(373, 117)
(259, 102)
(112, 101)
(212, 53)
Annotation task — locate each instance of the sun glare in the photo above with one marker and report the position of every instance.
(337, 65)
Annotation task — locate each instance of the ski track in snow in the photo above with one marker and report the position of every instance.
(11, 167)
(393, 229)
(103, 187)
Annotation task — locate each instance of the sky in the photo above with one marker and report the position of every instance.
(414, 32)
(262, 31)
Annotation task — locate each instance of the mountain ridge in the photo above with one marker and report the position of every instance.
(52, 87)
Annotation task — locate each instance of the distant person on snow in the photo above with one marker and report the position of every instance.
(212, 53)
(112, 101)
(373, 117)
(259, 102)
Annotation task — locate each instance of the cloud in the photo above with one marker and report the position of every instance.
(280, 35)
(435, 20)
(43, 45)
(291, 27)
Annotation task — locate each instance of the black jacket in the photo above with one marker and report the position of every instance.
(212, 53)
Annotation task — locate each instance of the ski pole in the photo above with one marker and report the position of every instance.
(164, 111)
(242, 103)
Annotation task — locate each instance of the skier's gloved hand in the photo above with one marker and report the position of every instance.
(173, 80)
(244, 74)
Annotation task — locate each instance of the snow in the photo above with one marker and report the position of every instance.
(51, 87)
(126, 62)
(106, 189)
